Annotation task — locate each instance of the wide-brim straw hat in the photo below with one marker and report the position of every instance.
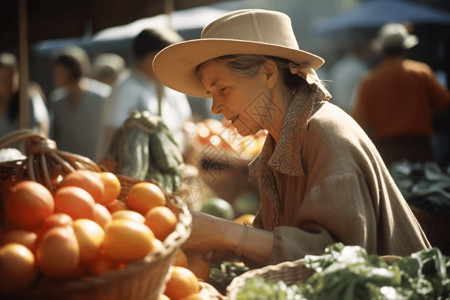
(394, 36)
(248, 31)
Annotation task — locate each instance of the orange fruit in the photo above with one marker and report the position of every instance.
(126, 240)
(17, 268)
(102, 264)
(75, 202)
(28, 203)
(112, 187)
(162, 221)
(143, 196)
(199, 267)
(181, 284)
(56, 220)
(180, 259)
(245, 219)
(58, 253)
(102, 216)
(128, 215)
(116, 205)
(196, 296)
(90, 237)
(89, 181)
(23, 237)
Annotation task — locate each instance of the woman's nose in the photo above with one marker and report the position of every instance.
(217, 106)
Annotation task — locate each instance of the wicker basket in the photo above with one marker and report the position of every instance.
(140, 280)
(208, 292)
(143, 279)
(289, 272)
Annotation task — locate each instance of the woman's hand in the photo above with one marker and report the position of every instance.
(206, 234)
(211, 234)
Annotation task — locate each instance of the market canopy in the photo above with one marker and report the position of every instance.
(375, 13)
(54, 19)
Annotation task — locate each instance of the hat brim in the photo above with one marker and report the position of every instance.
(175, 66)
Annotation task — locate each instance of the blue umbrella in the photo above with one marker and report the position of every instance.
(374, 13)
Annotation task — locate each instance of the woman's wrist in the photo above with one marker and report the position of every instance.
(228, 234)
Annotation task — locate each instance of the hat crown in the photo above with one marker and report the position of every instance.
(255, 25)
(395, 35)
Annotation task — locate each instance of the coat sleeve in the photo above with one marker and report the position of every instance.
(331, 212)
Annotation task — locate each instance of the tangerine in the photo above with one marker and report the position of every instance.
(89, 181)
(24, 237)
(116, 205)
(143, 196)
(74, 201)
(181, 284)
(58, 253)
(17, 267)
(56, 220)
(180, 259)
(90, 237)
(126, 240)
(196, 296)
(102, 216)
(245, 219)
(199, 267)
(112, 187)
(128, 215)
(28, 203)
(101, 265)
(162, 221)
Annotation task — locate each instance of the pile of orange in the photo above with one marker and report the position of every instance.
(83, 230)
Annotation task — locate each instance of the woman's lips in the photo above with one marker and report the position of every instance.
(233, 119)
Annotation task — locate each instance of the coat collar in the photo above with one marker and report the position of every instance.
(286, 155)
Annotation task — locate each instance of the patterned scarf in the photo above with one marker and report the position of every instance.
(284, 156)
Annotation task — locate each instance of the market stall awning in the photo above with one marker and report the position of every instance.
(53, 19)
(375, 13)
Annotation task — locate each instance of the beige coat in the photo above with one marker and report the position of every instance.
(330, 185)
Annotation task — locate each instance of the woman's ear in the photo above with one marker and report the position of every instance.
(271, 73)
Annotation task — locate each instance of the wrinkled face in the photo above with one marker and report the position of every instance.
(8, 83)
(61, 75)
(234, 95)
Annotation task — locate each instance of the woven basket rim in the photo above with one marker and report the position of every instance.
(282, 268)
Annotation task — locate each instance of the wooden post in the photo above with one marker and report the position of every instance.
(23, 65)
(169, 6)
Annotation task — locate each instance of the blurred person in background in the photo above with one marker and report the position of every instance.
(76, 103)
(399, 99)
(140, 90)
(107, 68)
(346, 75)
(10, 100)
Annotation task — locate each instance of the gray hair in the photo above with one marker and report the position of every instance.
(247, 65)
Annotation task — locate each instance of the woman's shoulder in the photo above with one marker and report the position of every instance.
(334, 137)
(329, 119)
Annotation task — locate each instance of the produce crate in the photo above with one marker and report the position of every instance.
(289, 272)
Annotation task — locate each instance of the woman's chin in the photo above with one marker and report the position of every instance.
(245, 131)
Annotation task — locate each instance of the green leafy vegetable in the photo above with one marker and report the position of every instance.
(350, 273)
(424, 185)
(256, 288)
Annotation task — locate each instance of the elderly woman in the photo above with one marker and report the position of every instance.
(321, 179)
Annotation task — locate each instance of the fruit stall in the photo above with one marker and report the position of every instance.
(74, 229)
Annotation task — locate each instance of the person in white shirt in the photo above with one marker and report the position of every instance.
(140, 90)
(76, 104)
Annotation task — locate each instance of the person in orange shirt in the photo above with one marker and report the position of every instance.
(398, 100)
